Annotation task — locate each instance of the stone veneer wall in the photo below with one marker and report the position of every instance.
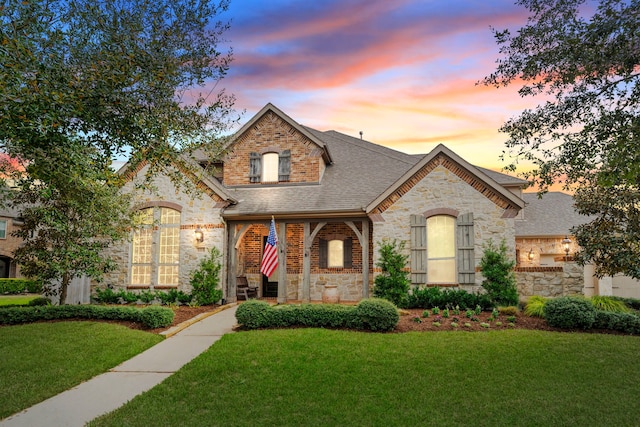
(541, 246)
(199, 210)
(441, 188)
(564, 280)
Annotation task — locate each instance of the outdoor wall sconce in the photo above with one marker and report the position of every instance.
(566, 242)
(530, 254)
(199, 235)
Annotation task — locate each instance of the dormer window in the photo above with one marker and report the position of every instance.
(270, 167)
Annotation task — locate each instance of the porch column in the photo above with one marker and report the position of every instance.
(232, 255)
(282, 263)
(365, 258)
(306, 262)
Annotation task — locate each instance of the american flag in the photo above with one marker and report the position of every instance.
(270, 256)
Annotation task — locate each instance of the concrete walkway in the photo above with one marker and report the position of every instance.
(109, 391)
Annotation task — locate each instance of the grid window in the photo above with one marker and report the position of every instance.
(3, 228)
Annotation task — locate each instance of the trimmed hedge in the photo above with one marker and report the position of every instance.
(20, 286)
(374, 314)
(570, 313)
(624, 322)
(151, 317)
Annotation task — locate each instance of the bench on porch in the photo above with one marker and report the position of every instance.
(244, 290)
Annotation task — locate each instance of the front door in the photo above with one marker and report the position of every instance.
(270, 285)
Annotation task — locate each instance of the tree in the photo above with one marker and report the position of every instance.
(583, 58)
(499, 279)
(393, 283)
(67, 225)
(206, 279)
(83, 82)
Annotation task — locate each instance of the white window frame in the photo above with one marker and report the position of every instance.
(270, 167)
(3, 228)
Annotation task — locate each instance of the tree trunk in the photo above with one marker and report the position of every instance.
(66, 278)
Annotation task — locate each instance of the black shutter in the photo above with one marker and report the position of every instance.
(347, 248)
(254, 167)
(284, 165)
(324, 253)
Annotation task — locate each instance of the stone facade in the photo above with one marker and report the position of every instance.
(199, 210)
(442, 188)
(565, 280)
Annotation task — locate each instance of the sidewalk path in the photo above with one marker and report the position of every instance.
(109, 391)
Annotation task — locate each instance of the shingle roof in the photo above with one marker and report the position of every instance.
(552, 215)
(367, 168)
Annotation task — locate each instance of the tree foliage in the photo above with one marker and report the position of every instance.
(83, 82)
(582, 58)
(206, 279)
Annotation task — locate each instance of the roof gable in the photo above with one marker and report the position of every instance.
(270, 108)
(442, 156)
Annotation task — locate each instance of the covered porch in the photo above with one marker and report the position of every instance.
(312, 253)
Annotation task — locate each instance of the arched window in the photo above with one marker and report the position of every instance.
(155, 251)
(441, 249)
(270, 167)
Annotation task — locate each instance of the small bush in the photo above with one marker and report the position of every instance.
(39, 301)
(20, 286)
(429, 297)
(511, 310)
(206, 280)
(535, 306)
(254, 314)
(393, 283)
(569, 313)
(633, 303)
(623, 322)
(106, 296)
(156, 317)
(497, 269)
(606, 303)
(377, 314)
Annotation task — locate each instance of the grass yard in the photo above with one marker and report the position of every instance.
(17, 299)
(40, 360)
(319, 377)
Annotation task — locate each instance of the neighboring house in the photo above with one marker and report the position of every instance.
(9, 221)
(334, 199)
(544, 224)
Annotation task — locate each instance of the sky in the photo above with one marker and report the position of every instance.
(404, 72)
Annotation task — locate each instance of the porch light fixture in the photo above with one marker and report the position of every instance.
(566, 242)
(199, 235)
(530, 254)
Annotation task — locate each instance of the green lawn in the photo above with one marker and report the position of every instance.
(40, 360)
(315, 377)
(17, 299)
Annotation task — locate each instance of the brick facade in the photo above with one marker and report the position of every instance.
(272, 134)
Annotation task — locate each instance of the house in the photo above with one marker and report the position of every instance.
(334, 199)
(9, 221)
(544, 224)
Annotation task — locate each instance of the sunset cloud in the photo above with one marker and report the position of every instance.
(403, 72)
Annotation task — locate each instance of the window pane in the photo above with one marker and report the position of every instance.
(3, 229)
(336, 253)
(270, 167)
(169, 216)
(142, 246)
(441, 271)
(440, 237)
(168, 275)
(141, 275)
(441, 249)
(169, 245)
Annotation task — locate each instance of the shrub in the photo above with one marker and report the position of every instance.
(497, 269)
(633, 303)
(430, 297)
(106, 296)
(254, 314)
(535, 306)
(606, 303)
(151, 319)
(625, 322)
(511, 310)
(206, 280)
(19, 286)
(39, 301)
(569, 313)
(393, 283)
(156, 317)
(377, 314)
